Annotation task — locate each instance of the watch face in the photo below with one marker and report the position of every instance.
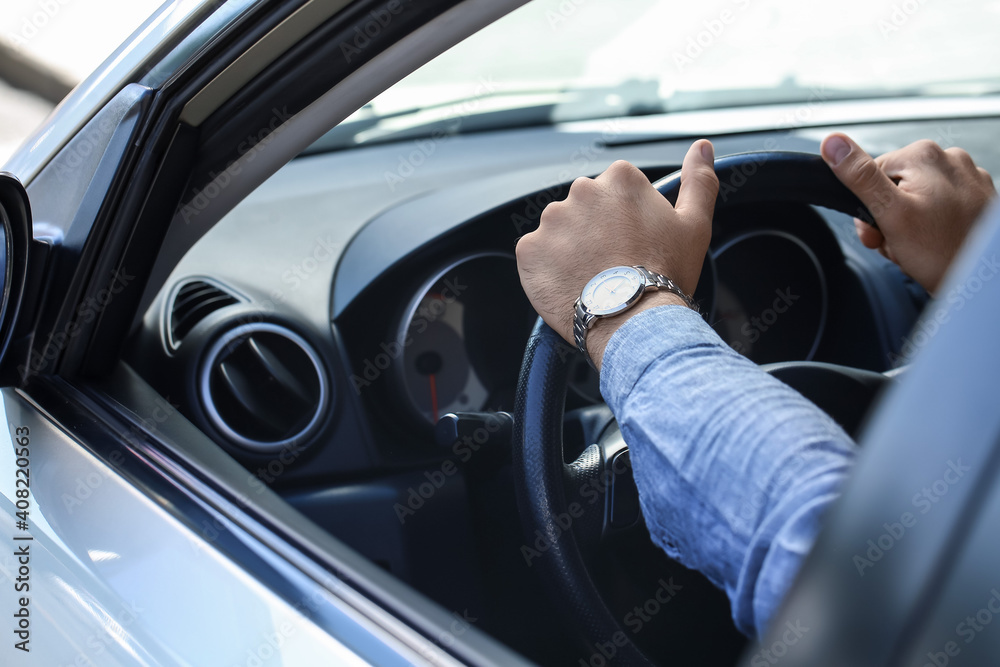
(613, 290)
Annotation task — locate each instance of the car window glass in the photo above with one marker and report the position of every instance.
(635, 57)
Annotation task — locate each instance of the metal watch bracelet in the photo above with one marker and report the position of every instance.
(583, 320)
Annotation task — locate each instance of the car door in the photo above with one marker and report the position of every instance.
(104, 561)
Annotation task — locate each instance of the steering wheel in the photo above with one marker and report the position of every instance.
(563, 530)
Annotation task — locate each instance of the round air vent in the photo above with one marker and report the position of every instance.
(264, 387)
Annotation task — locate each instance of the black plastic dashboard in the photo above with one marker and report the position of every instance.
(348, 266)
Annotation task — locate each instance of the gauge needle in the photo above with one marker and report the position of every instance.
(434, 397)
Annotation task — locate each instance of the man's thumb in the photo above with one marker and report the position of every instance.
(858, 171)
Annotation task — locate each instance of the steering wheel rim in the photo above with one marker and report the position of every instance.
(756, 176)
(540, 472)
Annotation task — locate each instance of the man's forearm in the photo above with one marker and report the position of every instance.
(734, 468)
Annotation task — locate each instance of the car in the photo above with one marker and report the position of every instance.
(274, 394)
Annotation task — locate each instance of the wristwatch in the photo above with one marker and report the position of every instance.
(614, 291)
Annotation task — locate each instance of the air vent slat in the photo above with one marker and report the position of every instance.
(241, 391)
(277, 369)
(193, 302)
(197, 301)
(271, 393)
(193, 292)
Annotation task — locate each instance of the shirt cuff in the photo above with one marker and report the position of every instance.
(645, 338)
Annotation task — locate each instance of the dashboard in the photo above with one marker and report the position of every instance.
(775, 286)
(342, 313)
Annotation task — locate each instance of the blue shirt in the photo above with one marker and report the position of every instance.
(734, 468)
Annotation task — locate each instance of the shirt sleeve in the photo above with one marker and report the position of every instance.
(734, 468)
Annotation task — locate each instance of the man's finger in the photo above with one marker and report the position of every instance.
(699, 184)
(859, 172)
(868, 235)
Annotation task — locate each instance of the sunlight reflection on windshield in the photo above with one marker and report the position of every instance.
(864, 45)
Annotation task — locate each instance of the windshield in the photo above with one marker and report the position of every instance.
(561, 60)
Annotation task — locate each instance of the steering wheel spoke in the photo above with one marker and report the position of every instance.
(600, 492)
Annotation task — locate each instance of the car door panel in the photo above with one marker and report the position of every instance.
(114, 578)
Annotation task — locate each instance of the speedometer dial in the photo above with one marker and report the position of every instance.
(438, 375)
(463, 337)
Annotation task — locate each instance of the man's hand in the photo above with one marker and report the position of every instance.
(618, 219)
(924, 199)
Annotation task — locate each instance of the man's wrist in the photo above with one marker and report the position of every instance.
(605, 327)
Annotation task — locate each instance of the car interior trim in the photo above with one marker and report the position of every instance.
(811, 113)
(305, 127)
(253, 61)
